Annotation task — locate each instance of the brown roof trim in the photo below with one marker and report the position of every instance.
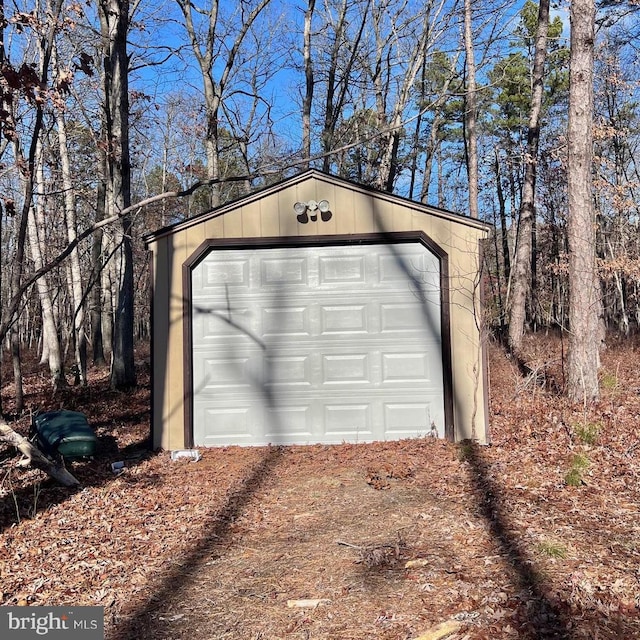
(324, 177)
(300, 241)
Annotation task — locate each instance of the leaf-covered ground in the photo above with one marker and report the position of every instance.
(535, 536)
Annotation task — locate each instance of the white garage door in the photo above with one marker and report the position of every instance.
(316, 344)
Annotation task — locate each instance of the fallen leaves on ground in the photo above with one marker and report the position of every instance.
(478, 542)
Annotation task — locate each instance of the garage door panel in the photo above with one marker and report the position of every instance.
(353, 368)
(232, 272)
(406, 265)
(407, 317)
(289, 424)
(393, 269)
(291, 371)
(212, 323)
(286, 321)
(313, 318)
(216, 426)
(410, 419)
(284, 271)
(341, 270)
(343, 319)
(316, 344)
(348, 421)
(410, 367)
(219, 373)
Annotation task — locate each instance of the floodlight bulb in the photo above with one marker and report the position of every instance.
(323, 205)
(299, 207)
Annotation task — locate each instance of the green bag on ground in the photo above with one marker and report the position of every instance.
(67, 433)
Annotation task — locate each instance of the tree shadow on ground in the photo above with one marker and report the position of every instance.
(142, 623)
(544, 617)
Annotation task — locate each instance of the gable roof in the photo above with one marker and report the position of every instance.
(313, 174)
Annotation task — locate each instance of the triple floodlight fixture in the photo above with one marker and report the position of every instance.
(309, 211)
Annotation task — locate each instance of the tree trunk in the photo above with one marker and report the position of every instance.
(442, 201)
(584, 291)
(534, 306)
(109, 293)
(504, 230)
(114, 22)
(17, 369)
(388, 168)
(50, 338)
(415, 144)
(123, 374)
(522, 262)
(10, 312)
(79, 337)
(471, 109)
(1, 227)
(51, 351)
(95, 296)
(35, 457)
(309, 83)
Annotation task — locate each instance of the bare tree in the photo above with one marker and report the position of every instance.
(522, 263)
(309, 82)
(34, 85)
(584, 300)
(393, 44)
(69, 198)
(471, 110)
(114, 25)
(343, 43)
(388, 170)
(219, 48)
(51, 350)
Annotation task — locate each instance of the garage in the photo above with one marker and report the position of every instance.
(317, 311)
(317, 344)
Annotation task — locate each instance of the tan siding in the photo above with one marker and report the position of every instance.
(269, 220)
(364, 220)
(465, 339)
(380, 216)
(398, 218)
(329, 193)
(309, 229)
(213, 228)
(289, 225)
(251, 226)
(173, 410)
(420, 221)
(303, 192)
(232, 224)
(441, 233)
(344, 210)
